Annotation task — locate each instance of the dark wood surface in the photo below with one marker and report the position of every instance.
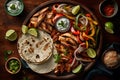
(9, 22)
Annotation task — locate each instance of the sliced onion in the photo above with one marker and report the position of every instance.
(62, 5)
(73, 62)
(79, 50)
(83, 20)
(60, 9)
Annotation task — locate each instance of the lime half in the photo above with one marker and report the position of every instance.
(11, 35)
(24, 29)
(77, 69)
(33, 31)
(109, 27)
(91, 53)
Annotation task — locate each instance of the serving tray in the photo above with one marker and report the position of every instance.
(99, 44)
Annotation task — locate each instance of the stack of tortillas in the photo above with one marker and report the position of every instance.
(37, 51)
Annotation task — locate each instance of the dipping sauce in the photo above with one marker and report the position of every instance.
(13, 65)
(63, 24)
(111, 59)
(14, 6)
(108, 10)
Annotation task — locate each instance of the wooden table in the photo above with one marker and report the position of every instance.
(9, 22)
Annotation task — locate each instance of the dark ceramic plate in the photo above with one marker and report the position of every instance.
(88, 67)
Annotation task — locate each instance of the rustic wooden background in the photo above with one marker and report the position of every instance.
(9, 22)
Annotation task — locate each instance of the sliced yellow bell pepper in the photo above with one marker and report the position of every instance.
(89, 37)
(93, 29)
(86, 42)
(70, 17)
(93, 21)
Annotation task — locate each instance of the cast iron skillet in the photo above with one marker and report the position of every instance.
(87, 68)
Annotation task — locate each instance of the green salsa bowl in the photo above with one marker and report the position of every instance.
(14, 7)
(13, 65)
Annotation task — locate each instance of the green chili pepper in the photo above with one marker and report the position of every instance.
(76, 22)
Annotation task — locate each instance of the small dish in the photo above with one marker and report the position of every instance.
(110, 58)
(108, 8)
(14, 7)
(62, 24)
(13, 65)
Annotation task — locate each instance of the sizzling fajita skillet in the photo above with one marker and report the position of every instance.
(75, 34)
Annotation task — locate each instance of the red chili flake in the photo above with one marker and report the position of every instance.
(108, 10)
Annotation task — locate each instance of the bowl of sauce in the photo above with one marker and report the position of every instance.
(108, 8)
(14, 7)
(111, 59)
(62, 24)
(13, 65)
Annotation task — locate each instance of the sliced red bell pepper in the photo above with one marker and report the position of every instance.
(57, 16)
(75, 32)
(54, 8)
(78, 39)
(88, 15)
(70, 60)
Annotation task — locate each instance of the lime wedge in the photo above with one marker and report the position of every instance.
(91, 53)
(109, 27)
(75, 9)
(11, 35)
(109, 30)
(33, 31)
(24, 29)
(77, 69)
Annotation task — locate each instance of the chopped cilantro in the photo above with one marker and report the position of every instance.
(57, 58)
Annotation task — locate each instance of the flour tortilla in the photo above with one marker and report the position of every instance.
(35, 50)
(46, 67)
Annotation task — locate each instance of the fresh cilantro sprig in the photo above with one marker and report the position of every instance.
(6, 53)
(62, 24)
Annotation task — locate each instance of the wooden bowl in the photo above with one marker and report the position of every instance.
(7, 65)
(87, 68)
